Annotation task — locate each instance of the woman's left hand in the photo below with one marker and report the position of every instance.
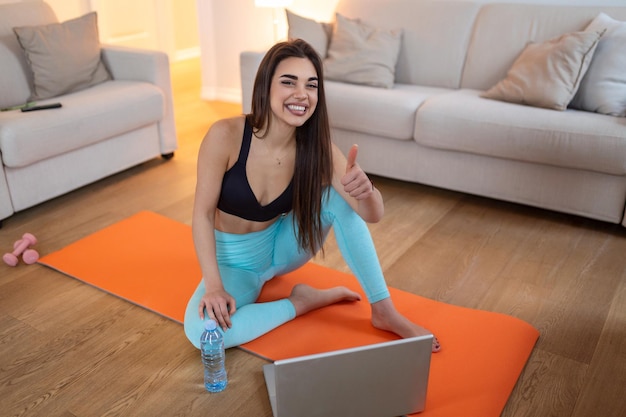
(355, 182)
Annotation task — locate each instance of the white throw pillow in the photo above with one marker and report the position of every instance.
(603, 88)
(547, 74)
(361, 54)
(317, 34)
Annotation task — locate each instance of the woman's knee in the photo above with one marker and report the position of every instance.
(193, 328)
(335, 207)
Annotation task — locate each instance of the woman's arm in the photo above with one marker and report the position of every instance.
(355, 187)
(213, 161)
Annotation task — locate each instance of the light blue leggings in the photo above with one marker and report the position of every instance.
(247, 261)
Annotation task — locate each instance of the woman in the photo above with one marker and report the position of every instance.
(270, 185)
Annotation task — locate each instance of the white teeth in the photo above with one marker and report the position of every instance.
(296, 108)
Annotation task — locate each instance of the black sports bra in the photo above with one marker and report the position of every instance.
(237, 197)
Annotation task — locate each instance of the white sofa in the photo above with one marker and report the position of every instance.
(99, 130)
(433, 127)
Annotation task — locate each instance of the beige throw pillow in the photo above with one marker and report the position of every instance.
(63, 57)
(547, 74)
(603, 88)
(361, 54)
(317, 34)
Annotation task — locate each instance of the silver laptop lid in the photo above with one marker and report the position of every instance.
(380, 380)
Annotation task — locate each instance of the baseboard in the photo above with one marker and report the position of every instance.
(230, 95)
(188, 53)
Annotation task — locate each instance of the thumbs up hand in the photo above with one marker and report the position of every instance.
(355, 182)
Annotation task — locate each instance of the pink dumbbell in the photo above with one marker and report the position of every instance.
(20, 247)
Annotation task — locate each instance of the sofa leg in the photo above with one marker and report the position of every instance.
(167, 156)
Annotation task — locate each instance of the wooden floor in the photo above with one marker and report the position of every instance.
(67, 349)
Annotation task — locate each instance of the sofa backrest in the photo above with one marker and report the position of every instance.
(502, 31)
(436, 34)
(15, 75)
(472, 43)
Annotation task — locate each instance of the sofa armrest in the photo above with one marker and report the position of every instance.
(249, 64)
(134, 64)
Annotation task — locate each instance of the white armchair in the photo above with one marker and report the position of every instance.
(99, 130)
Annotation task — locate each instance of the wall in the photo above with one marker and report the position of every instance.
(69, 9)
(173, 24)
(228, 27)
(186, 38)
(218, 29)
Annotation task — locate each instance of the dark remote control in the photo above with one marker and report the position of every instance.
(42, 107)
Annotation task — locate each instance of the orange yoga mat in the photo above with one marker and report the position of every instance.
(149, 260)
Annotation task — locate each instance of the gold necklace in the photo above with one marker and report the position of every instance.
(279, 159)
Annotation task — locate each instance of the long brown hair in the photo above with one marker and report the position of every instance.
(313, 169)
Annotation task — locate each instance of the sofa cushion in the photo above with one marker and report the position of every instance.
(362, 54)
(435, 35)
(603, 88)
(63, 57)
(547, 74)
(376, 111)
(88, 116)
(462, 121)
(315, 33)
(15, 79)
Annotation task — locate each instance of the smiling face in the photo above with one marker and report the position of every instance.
(293, 93)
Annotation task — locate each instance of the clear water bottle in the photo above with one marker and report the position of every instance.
(213, 357)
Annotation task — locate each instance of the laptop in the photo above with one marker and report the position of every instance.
(381, 380)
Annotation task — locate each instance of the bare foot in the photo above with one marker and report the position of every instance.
(306, 298)
(386, 317)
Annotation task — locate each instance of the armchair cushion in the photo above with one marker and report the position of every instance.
(88, 117)
(63, 57)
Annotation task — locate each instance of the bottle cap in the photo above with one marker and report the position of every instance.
(210, 324)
